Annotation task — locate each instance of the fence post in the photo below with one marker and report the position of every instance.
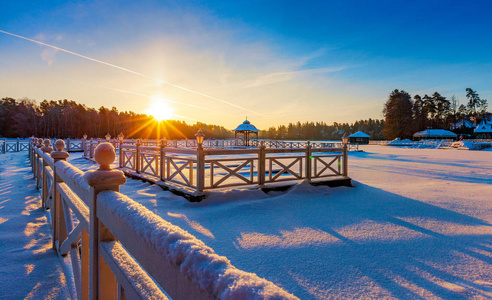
(163, 159)
(345, 160)
(68, 145)
(37, 172)
(308, 161)
(18, 145)
(91, 148)
(84, 142)
(261, 164)
(58, 217)
(120, 153)
(137, 156)
(200, 169)
(44, 191)
(102, 282)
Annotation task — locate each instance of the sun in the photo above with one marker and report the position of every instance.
(160, 110)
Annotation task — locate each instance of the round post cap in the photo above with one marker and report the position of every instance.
(104, 155)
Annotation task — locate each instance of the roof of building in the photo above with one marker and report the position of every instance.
(484, 127)
(435, 133)
(359, 134)
(462, 123)
(246, 126)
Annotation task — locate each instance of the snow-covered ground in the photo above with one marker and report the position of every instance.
(417, 225)
(29, 268)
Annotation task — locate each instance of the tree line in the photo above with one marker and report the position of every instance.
(405, 116)
(323, 131)
(68, 119)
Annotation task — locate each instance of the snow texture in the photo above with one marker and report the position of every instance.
(417, 225)
(29, 267)
(213, 273)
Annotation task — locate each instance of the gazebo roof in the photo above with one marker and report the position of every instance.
(359, 134)
(246, 126)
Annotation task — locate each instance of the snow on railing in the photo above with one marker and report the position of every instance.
(119, 249)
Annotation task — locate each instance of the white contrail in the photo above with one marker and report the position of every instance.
(128, 70)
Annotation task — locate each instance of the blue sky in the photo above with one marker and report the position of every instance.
(273, 61)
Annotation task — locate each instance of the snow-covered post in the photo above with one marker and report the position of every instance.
(120, 149)
(200, 164)
(57, 214)
(91, 148)
(102, 282)
(261, 164)
(68, 145)
(163, 159)
(44, 191)
(308, 161)
(137, 156)
(37, 164)
(84, 140)
(345, 156)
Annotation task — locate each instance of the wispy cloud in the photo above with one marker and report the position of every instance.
(277, 77)
(48, 55)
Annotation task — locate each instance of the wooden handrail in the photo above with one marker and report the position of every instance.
(118, 247)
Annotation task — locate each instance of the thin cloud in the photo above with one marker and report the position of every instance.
(277, 77)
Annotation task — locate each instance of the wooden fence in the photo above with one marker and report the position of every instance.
(199, 169)
(14, 146)
(24, 145)
(121, 250)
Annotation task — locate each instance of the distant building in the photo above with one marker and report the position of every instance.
(244, 131)
(464, 123)
(359, 138)
(484, 129)
(434, 134)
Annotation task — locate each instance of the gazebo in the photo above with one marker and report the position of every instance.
(246, 129)
(359, 138)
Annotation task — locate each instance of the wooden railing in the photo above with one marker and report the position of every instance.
(119, 249)
(25, 145)
(202, 169)
(13, 146)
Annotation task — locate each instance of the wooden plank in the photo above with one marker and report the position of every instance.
(78, 207)
(136, 283)
(73, 238)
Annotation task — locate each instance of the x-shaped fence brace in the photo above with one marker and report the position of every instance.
(178, 170)
(128, 159)
(285, 168)
(147, 160)
(327, 165)
(231, 172)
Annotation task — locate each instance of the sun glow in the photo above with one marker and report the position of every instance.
(160, 109)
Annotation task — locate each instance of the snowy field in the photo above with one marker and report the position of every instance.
(417, 225)
(29, 268)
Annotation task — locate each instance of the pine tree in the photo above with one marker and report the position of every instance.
(398, 115)
(473, 101)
